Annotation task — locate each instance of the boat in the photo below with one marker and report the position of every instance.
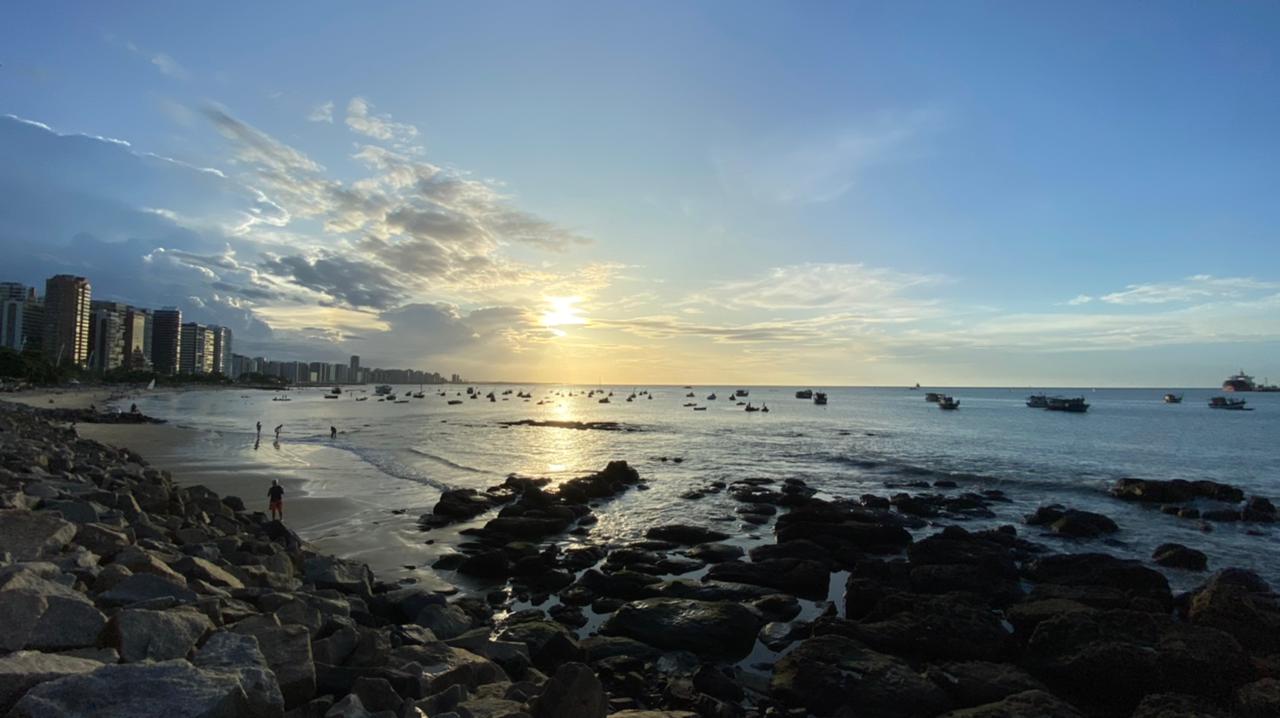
(820, 398)
(605, 400)
(336, 390)
(764, 407)
(1222, 402)
(1173, 398)
(362, 398)
(1075, 405)
(699, 408)
(453, 402)
(751, 408)
(382, 389)
(281, 398)
(933, 397)
(331, 396)
(916, 387)
(948, 403)
(402, 401)
(804, 394)
(1038, 401)
(741, 392)
(1239, 382)
(688, 404)
(689, 395)
(711, 396)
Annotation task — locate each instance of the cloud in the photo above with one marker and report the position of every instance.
(169, 67)
(824, 165)
(360, 119)
(1079, 299)
(322, 113)
(346, 280)
(810, 286)
(1200, 287)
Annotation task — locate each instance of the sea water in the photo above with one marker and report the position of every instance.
(865, 440)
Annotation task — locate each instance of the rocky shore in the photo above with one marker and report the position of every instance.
(123, 593)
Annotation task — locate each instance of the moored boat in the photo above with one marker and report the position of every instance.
(1239, 382)
(933, 397)
(1222, 402)
(820, 398)
(1038, 401)
(741, 392)
(1074, 405)
(948, 403)
(1172, 398)
(804, 394)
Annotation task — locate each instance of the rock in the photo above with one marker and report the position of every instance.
(1111, 659)
(715, 552)
(1239, 603)
(1035, 703)
(1173, 555)
(463, 503)
(40, 614)
(345, 576)
(1259, 509)
(101, 539)
(34, 535)
(1177, 705)
(238, 655)
(685, 535)
(777, 636)
(1083, 524)
(709, 629)
(139, 690)
(145, 587)
(24, 669)
(1142, 587)
(155, 635)
(1174, 492)
(444, 621)
(826, 673)
(288, 653)
(376, 694)
(653, 714)
(1260, 699)
(197, 568)
(847, 533)
(808, 579)
(486, 564)
(349, 707)
(573, 692)
(949, 627)
(976, 683)
(491, 707)
(777, 607)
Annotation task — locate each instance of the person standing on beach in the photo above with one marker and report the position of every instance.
(278, 428)
(276, 496)
(333, 432)
(259, 429)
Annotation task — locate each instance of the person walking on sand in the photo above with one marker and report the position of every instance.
(276, 495)
(278, 428)
(333, 432)
(259, 429)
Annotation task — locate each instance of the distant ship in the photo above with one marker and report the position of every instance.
(1239, 382)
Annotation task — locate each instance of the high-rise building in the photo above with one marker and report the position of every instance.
(66, 319)
(106, 335)
(197, 349)
(355, 367)
(33, 323)
(221, 350)
(139, 325)
(166, 341)
(13, 305)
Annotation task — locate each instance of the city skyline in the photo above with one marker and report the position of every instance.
(829, 195)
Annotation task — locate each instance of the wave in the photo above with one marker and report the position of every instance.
(447, 462)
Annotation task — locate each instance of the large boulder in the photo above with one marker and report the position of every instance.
(1174, 492)
(801, 577)
(1175, 555)
(1035, 703)
(145, 587)
(1259, 699)
(707, 628)
(1139, 586)
(685, 534)
(1239, 603)
(40, 614)
(444, 621)
(194, 567)
(138, 690)
(957, 560)
(976, 683)
(288, 653)
(950, 627)
(141, 635)
(238, 655)
(24, 669)
(34, 535)
(826, 673)
(345, 576)
(846, 532)
(573, 692)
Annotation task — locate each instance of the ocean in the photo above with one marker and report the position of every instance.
(865, 440)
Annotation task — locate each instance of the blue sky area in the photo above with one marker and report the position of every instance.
(834, 193)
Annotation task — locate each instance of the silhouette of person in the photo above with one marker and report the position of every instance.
(276, 496)
(333, 432)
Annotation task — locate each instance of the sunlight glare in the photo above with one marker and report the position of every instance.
(562, 312)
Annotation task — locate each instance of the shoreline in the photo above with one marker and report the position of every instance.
(925, 622)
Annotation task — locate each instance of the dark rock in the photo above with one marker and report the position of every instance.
(777, 607)
(238, 655)
(1144, 588)
(826, 673)
(142, 587)
(715, 552)
(809, 579)
(975, 683)
(573, 692)
(1175, 491)
(287, 650)
(1232, 602)
(1083, 524)
(171, 688)
(487, 564)
(155, 635)
(1260, 699)
(32, 535)
(1177, 705)
(1173, 555)
(338, 574)
(949, 627)
(1027, 704)
(1259, 509)
(710, 629)
(21, 671)
(685, 535)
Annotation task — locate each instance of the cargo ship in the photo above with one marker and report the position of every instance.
(1239, 382)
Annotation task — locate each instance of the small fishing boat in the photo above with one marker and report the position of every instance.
(764, 407)
(804, 394)
(1222, 402)
(742, 392)
(820, 398)
(331, 396)
(947, 403)
(751, 408)
(402, 401)
(362, 398)
(688, 404)
(699, 408)
(711, 396)
(1075, 405)
(382, 389)
(336, 390)
(1038, 401)
(689, 395)
(1173, 398)
(452, 402)
(605, 400)
(933, 397)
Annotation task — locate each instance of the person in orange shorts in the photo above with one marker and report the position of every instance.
(276, 494)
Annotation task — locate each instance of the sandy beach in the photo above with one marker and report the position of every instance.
(321, 504)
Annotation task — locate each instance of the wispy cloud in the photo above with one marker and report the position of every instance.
(322, 113)
(1200, 287)
(169, 66)
(361, 119)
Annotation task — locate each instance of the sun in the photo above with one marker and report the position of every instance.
(562, 311)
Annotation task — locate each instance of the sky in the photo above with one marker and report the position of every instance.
(846, 193)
